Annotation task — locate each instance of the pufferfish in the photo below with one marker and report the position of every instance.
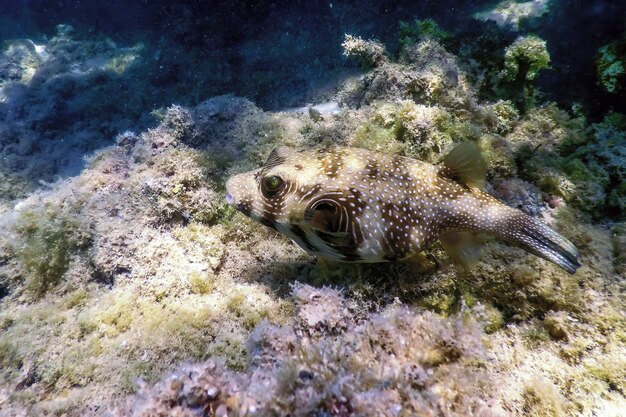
(355, 205)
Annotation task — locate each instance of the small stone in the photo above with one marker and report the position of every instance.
(222, 411)
(212, 393)
(176, 386)
(555, 325)
(305, 375)
(555, 201)
(197, 396)
(315, 114)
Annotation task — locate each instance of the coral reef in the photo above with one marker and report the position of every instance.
(127, 262)
(369, 53)
(585, 167)
(49, 239)
(329, 361)
(428, 75)
(611, 67)
(523, 60)
(61, 100)
(132, 288)
(411, 33)
(525, 57)
(21, 60)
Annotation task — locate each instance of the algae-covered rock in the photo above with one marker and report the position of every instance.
(48, 238)
(19, 61)
(145, 267)
(619, 247)
(127, 263)
(611, 67)
(525, 57)
(523, 60)
(430, 75)
(541, 141)
(506, 116)
(520, 194)
(412, 32)
(397, 361)
(369, 53)
(583, 166)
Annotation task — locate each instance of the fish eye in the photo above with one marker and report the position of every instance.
(272, 184)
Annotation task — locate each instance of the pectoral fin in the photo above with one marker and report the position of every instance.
(462, 247)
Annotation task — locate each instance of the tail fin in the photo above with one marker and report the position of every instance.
(539, 239)
(465, 165)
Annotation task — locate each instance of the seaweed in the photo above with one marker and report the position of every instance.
(49, 237)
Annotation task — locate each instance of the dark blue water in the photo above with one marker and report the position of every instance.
(278, 54)
(244, 32)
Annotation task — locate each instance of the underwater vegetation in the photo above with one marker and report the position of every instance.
(50, 238)
(329, 360)
(133, 288)
(610, 67)
(412, 32)
(523, 60)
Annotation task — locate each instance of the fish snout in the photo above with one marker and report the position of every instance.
(238, 194)
(234, 188)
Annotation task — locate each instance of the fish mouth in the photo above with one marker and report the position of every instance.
(242, 206)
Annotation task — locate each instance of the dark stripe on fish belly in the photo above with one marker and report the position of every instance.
(301, 234)
(268, 222)
(351, 257)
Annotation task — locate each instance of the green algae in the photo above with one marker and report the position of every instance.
(610, 66)
(525, 58)
(506, 116)
(542, 399)
(49, 238)
(412, 32)
(327, 351)
(10, 358)
(374, 137)
(201, 283)
(76, 298)
(610, 369)
(584, 166)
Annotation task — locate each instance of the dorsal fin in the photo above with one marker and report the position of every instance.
(278, 156)
(465, 164)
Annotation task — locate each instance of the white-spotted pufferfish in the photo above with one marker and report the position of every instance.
(355, 205)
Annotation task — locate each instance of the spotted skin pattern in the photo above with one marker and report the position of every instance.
(355, 205)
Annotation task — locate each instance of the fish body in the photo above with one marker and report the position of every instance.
(354, 205)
